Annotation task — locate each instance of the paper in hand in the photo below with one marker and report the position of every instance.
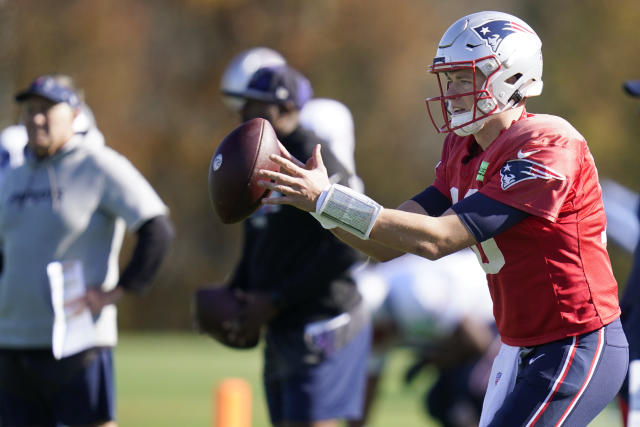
(73, 329)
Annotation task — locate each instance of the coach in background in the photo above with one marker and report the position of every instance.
(62, 218)
(294, 276)
(14, 138)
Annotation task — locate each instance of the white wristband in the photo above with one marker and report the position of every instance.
(324, 222)
(348, 209)
(321, 199)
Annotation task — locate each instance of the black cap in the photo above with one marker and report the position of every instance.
(48, 87)
(278, 85)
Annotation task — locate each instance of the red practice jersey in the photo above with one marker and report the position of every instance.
(550, 276)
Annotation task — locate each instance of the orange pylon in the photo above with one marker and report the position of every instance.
(233, 403)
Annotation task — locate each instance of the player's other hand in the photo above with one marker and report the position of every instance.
(95, 299)
(257, 311)
(300, 184)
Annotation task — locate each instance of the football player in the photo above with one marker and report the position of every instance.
(522, 190)
(294, 279)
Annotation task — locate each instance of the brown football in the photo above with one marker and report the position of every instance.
(212, 307)
(233, 185)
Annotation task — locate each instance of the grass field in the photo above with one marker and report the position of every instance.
(170, 379)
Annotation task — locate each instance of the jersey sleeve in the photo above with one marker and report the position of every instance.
(536, 178)
(127, 194)
(432, 201)
(486, 217)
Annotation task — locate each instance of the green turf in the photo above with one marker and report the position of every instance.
(170, 379)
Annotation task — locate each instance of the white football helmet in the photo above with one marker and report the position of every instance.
(239, 71)
(500, 46)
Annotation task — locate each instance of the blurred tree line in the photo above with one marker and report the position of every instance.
(151, 73)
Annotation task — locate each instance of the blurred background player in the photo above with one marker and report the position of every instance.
(236, 76)
(624, 225)
(13, 139)
(63, 214)
(329, 119)
(440, 310)
(621, 206)
(295, 279)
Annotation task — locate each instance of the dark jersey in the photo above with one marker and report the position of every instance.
(287, 251)
(631, 294)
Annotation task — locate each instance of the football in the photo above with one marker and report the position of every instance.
(233, 185)
(214, 305)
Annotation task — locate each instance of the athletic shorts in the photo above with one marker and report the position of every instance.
(303, 384)
(37, 389)
(567, 382)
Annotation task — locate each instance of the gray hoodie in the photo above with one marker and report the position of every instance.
(72, 206)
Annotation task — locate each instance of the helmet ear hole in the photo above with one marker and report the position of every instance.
(514, 79)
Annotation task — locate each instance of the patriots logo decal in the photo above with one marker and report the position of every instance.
(518, 170)
(493, 32)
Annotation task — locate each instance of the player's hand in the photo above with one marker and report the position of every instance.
(259, 309)
(257, 312)
(95, 299)
(300, 184)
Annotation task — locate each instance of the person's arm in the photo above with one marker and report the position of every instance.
(420, 234)
(396, 231)
(469, 340)
(378, 246)
(393, 232)
(153, 240)
(428, 202)
(481, 217)
(472, 220)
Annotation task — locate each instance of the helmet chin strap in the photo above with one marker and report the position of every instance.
(477, 126)
(471, 128)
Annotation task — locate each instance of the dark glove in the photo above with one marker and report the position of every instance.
(216, 312)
